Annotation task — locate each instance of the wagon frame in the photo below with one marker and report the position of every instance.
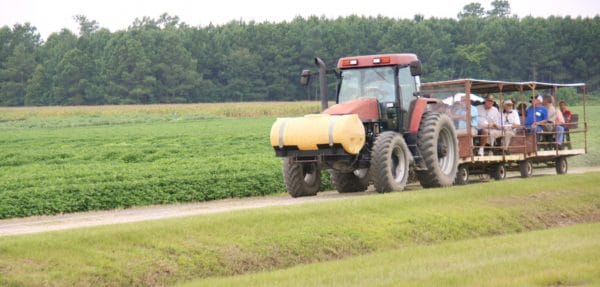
(525, 150)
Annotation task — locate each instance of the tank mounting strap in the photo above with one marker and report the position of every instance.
(332, 121)
(281, 128)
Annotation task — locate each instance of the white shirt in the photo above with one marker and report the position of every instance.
(486, 117)
(510, 119)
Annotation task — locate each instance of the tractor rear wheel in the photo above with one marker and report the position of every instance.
(390, 162)
(349, 182)
(438, 145)
(301, 179)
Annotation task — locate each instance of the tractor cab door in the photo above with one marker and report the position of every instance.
(408, 84)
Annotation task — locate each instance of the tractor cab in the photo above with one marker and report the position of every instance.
(381, 86)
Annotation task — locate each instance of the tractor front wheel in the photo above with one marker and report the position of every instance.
(301, 179)
(390, 162)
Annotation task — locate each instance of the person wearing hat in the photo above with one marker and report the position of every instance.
(510, 122)
(537, 115)
(488, 122)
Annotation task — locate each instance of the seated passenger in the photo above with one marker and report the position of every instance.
(568, 117)
(458, 114)
(555, 120)
(537, 115)
(488, 122)
(566, 114)
(510, 123)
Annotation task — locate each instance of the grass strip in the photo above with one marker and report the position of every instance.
(567, 256)
(176, 250)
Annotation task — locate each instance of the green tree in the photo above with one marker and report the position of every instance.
(86, 26)
(51, 54)
(500, 8)
(471, 59)
(72, 84)
(17, 61)
(473, 9)
(36, 91)
(244, 81)
(163, 60)
(126, 71)
(13, 78)
(171, 65)
(5, 44)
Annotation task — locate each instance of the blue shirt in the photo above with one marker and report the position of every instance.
(535, 114)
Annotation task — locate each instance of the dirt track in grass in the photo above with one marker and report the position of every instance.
(37, 224)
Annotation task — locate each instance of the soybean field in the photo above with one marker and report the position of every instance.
(66, 159)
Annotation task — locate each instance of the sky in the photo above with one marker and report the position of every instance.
(50, 16)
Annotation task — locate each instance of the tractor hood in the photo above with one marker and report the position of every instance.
(366, 109)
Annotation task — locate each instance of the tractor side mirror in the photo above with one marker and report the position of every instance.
(415, 68)
(305, 77)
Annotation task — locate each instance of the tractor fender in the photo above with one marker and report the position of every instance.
(419, 107)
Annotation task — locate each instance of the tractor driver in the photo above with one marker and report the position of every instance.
(379, 83)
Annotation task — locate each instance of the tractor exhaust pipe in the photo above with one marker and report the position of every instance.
(322, 82)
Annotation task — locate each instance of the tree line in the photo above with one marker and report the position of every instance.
(164, 60)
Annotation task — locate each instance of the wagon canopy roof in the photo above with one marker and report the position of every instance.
(488, 86)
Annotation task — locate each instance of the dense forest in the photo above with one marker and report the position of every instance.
(167, 61)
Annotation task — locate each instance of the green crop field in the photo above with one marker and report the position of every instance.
(434, 237)
(66, 159)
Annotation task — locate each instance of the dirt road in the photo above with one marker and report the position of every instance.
(39, 224)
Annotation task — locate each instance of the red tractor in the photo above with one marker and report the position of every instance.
(380, 128)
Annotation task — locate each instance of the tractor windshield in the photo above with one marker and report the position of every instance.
(368, 83)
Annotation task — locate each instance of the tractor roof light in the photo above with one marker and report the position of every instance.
(350, 62)
(382, 60)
